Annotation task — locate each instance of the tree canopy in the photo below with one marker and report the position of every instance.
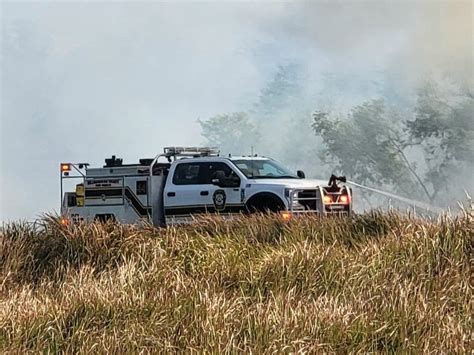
(230, 132)
(416, 154)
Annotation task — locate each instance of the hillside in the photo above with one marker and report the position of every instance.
(377, 282)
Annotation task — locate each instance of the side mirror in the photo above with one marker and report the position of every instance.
(301, 174)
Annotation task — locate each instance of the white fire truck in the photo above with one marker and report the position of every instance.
(187, 181)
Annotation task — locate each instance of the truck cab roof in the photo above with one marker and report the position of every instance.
(223, 158)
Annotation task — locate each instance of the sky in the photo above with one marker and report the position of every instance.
(81, 81)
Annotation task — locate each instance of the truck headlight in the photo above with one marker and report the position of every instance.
(292, 195)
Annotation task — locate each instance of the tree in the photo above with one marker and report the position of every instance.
(443, 127)
(279, 120)
(280, 93)
(233, 133)
(365, 145)
(418, 155)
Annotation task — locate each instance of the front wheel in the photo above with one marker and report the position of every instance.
(264, 204)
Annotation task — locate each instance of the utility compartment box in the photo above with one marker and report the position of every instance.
(80, 194)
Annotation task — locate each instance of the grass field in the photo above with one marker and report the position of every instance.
(374, 283)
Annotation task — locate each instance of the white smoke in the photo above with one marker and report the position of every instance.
(83, 80)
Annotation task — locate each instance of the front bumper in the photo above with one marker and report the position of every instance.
(313, 201)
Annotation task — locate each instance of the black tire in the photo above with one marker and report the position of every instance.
(265, 203)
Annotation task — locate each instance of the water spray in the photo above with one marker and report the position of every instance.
(415, 203)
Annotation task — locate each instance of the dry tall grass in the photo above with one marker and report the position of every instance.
(374, 283)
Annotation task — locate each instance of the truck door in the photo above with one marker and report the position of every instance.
(226, 198)
(181, 195)
(190, 190)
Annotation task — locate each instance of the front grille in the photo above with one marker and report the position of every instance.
(308, 204)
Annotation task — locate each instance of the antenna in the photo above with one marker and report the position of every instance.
(251, 160)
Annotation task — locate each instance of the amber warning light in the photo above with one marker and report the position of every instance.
(327, 199)
(65, 167)
(344, 199)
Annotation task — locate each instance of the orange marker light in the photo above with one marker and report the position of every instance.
(327, 199)
(286, 216)
(64, 221)
(65, 167)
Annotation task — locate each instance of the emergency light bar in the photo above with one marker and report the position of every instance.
(191, 151)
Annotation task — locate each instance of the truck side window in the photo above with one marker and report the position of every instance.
(189, 174)
(71, 199)
(218, 166)
(141, 187)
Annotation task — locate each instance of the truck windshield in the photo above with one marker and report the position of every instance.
(263, 169)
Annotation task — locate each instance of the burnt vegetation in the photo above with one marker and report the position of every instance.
(372, 283)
